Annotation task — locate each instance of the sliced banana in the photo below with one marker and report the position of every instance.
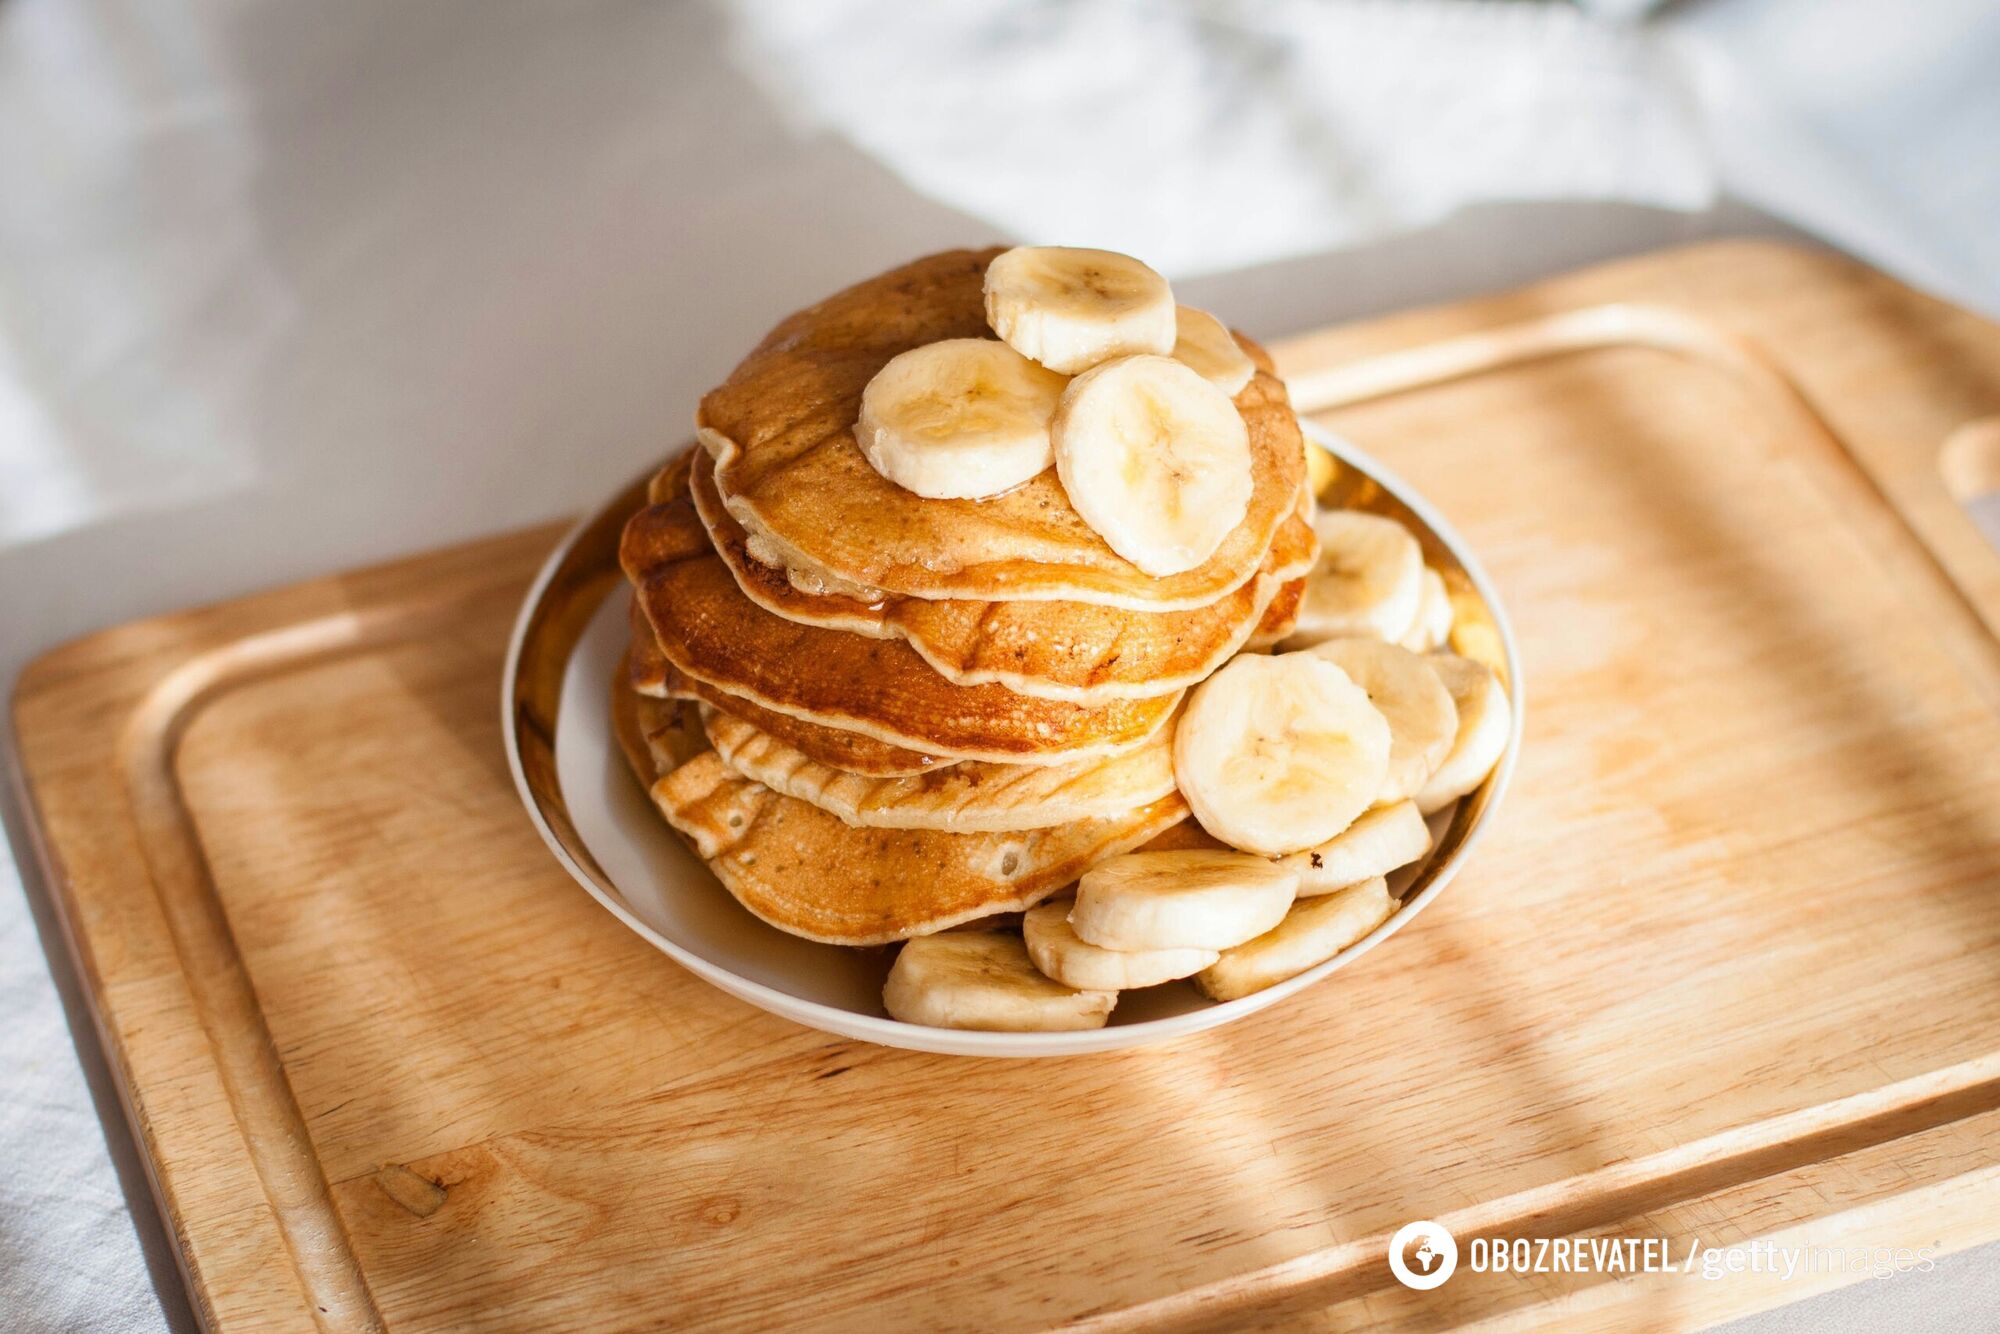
(1313, 932)
(1321, 469)
(1206, 345)
(959, 420)
(1422, 719)
(1380, 841)
(1369, 581)
(1156, 460)
(985, 980)
(1180, 900)
(1073, 961)
(1070, 309)
(1277, 754)
(1433, 623)
(1485, 720)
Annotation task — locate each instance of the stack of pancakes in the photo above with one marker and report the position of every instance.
(876, 715)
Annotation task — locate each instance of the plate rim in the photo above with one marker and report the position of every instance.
(886, 1031)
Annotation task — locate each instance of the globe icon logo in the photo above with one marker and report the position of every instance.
(1422, 1255)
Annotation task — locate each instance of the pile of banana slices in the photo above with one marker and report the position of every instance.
(1097, 372)
(1316, 765)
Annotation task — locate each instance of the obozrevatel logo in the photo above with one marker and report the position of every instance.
(1422, 1255)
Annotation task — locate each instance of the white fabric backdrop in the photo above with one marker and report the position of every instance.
(285, 287)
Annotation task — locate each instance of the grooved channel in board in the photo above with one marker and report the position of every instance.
(225, 1001)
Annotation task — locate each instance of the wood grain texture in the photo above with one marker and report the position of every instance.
(1725, 966)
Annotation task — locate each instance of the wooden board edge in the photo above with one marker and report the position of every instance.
(1567, 313)
(1595, 1201)
(145, 682)
(124, 655)
(110, 1042)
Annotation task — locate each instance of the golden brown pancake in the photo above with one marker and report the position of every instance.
(657, 735)
(647, 670)
(788, 468)
(1281, 617)
(1077, 652)
(649, 673)
(1187, 836)
(806, 872)
(880, 688)
(967, 798)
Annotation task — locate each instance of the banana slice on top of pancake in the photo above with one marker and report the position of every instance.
(1155, 459)
(1070, 308)
(1206, 345)
(960, 419)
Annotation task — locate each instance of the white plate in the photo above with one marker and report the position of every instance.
(649, 880)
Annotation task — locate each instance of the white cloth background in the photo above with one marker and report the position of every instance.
(1209, 136)
(285, 287)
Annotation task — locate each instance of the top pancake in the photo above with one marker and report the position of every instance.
(789, 470)
(1072, 651)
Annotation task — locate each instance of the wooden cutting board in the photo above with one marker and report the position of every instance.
(1724, 970)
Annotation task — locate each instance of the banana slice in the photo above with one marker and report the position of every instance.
(1380, 841)
(1433, 624)
(962, 419)
(1276, 754)
(1422, 719)
(1206, 345)
(1485, 720)
(1070, 309)
(1156, 460)
(985, 980)
(1180, 900)
(1321, 469)
(1073, 961)
(1311, 933)
(1369, 580)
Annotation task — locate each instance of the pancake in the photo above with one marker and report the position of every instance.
(707, 628)
(804, 871)
(788, 469)
(1187, 836)
(647, 670)
(657, 736)
(649, 673)
(1077, 652)
(968, 798)
(1281, 617)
